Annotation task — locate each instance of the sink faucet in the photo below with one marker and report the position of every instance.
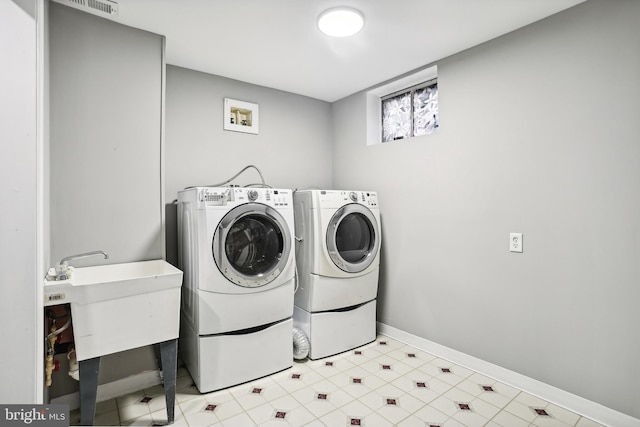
(62, 268)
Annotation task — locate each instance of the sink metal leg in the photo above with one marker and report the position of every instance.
(88, 389)
(90, 368)
(169, 360)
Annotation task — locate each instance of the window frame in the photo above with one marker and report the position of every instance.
(374, 104)
(411, 91)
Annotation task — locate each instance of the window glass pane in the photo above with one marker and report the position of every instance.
(425, 110)
(396, 117)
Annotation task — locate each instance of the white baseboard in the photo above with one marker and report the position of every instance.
(114, 389)
(569, 401)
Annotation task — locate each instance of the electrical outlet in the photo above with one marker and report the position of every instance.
(515, 242)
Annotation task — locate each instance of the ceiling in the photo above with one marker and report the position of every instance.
(276, 43)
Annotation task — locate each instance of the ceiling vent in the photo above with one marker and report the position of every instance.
(98, 7)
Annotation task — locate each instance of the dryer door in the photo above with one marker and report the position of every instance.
(352, 239)
(251, 245)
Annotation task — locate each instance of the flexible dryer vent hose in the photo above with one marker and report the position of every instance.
(300, 344)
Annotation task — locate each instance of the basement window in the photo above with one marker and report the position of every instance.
(404, 108)
(412, 112)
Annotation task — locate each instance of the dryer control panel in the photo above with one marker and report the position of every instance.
(335, 198)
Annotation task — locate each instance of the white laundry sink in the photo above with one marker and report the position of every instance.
(119, 306)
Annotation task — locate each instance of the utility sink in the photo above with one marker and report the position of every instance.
(119, 306)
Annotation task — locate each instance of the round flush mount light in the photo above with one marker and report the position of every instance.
(340, 21)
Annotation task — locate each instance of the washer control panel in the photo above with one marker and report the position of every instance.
(223, 196)
(214, 196)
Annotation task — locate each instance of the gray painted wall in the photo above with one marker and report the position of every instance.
(18, 192)
(539, 134)
(292, 149)
(105, 138)
(105, 184)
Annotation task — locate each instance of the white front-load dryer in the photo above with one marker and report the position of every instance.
(235, 246)
(338, 259)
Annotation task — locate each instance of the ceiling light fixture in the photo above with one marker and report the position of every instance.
(340, 21)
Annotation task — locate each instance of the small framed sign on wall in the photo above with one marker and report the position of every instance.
(240, 116)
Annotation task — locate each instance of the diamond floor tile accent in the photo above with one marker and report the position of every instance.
(541, 412)
(464, 406)
(383, 383)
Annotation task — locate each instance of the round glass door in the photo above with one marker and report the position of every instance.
(251, 245)
(351, 238)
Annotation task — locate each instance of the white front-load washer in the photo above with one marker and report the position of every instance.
(338, 259)
(235, 246)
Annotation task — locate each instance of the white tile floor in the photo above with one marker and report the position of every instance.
(385, 383)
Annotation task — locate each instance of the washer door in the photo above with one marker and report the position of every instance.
(251, 245)
(352, 241)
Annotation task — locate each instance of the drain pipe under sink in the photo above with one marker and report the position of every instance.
(74, 366)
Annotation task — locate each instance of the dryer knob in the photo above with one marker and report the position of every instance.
(353, 196)
(252, 195)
